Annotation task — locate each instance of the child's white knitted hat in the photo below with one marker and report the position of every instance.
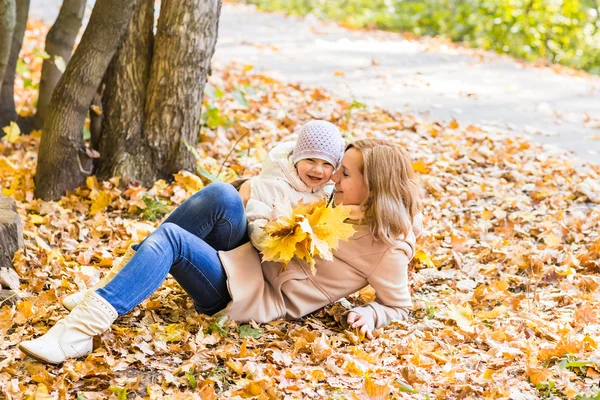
(319, 139)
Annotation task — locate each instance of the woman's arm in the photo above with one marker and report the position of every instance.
(390, 281)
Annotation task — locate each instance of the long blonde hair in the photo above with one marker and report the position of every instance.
(394, 194)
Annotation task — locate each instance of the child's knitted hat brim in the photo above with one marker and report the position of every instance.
(319, 139)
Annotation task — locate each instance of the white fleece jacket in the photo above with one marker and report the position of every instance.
(276, 189)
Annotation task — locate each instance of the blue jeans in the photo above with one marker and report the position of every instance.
(185, 245)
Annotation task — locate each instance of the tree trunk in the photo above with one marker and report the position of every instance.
(96, 114)
(11, 233)
(183, 47)
(8, 17)
(59, 43)
(7, 89)
(122, 146)
(63, 161)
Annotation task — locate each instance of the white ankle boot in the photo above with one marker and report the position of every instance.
(72, 300)
(73, 336)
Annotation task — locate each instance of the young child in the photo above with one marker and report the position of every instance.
(292, 172)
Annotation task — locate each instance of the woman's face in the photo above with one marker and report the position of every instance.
(350, 188)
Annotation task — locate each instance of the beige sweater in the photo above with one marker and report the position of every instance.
(262, 293)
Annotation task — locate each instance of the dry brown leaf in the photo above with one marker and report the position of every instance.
(375, 391)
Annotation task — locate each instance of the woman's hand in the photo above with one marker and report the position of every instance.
(358, 321)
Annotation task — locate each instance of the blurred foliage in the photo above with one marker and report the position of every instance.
(566, 32)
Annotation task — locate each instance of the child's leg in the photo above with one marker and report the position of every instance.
(194, 264)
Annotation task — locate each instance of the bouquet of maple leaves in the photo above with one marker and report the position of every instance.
(306, 231)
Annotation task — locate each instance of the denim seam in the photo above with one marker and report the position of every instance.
(230, 233)
(203, 228)
(204, 276)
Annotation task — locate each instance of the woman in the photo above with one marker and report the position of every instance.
(194, 245)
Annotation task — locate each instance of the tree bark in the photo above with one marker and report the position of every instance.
(123, 147)
(97, 115)
(63, 161)
(59, 43)
(8, 17)
(7, 87)
(11, 232)
(183, 47)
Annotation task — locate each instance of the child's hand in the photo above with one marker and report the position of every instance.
(358, 321)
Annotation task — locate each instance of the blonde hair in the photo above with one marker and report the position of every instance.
(394, 193)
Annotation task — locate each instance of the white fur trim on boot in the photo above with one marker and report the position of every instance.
(73, 336)
(72, 300)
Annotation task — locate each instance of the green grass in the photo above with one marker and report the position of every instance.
(564, 32)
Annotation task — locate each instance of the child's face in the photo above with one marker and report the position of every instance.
(314, 172)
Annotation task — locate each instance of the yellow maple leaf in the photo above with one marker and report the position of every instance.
(6, 165)
(6, 318)
(317, 375)
(367, 294)
(281, 247)
(100, 202)
(37, 133)
(15, 185)
(92, 182)
(189, 181)
(252, 389)
(552, 240)
(488, 373)
(12, 132)
(308, 208)
(421, 167)
(538, 375)
(36, 219)
(463, 316)
(26, 309)
(40, 393)
(375, 391)
(424, 258)
(101, 198)
(565, 346)
(496, 312)
(453, 124)
(308, 231)
(328, 223)
(235, 366)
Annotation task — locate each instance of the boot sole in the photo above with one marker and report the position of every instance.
(36, 357)
(96, 343)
